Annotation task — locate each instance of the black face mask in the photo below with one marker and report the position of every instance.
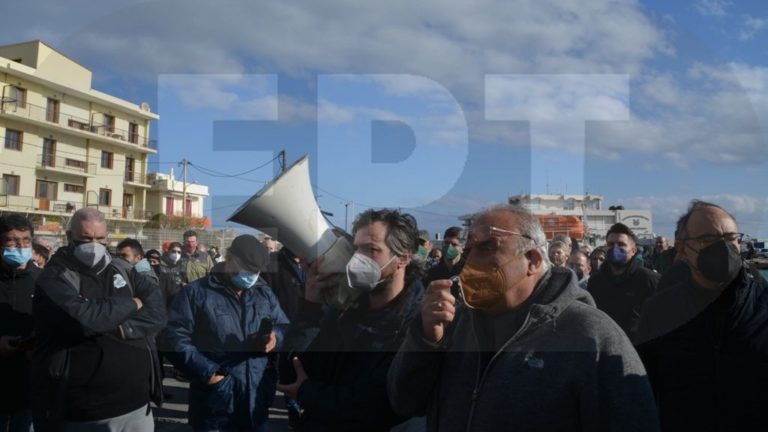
(719, 262)
(579, 274)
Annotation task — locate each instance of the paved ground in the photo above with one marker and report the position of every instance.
(172, 417)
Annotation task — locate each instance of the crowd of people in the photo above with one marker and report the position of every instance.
(498, 328)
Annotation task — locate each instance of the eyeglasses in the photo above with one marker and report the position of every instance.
(708, 239)
(18, 241)
(481, 233)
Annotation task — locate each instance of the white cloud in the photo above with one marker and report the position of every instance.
(713, 7)
(751, 27)
(750, 212)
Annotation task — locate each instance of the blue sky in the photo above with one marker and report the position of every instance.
(442, 108)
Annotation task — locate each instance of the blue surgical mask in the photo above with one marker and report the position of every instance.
(16, 257)
(245, 279)
(617, 256)
(143, 266)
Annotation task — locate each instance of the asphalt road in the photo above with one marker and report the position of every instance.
(172, 417)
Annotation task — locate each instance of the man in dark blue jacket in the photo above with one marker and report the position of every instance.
(704, 339)
(17, 284)
(340, 380)
(216, 338)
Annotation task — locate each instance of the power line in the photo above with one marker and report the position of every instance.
(220, 174)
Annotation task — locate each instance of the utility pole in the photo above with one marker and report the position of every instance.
(184, 163)
(282, 161)
(346, 215)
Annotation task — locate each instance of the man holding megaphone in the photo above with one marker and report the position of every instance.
(340, 380)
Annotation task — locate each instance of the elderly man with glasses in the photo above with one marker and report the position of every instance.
(523, 348)
(704, 339)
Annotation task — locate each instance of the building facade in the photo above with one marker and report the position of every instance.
(64, 145)
(166, 196)
(583, 217)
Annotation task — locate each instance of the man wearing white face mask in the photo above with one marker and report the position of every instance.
(221, 331)
(340, 380)
(95, 318)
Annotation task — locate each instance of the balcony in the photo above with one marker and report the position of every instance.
(65, 165)
(135, 179)
(79, 126)
(28, 204)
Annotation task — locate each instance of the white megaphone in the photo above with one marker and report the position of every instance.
(287, 206)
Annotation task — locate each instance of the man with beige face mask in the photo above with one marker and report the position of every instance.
(523, 348)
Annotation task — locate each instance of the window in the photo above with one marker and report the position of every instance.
(133, 133)
(109, 123)
(188, 208)
(169, 206)
(19, 96)
(106, 159)
(74, 163)
(105, 197)
(52, 110)
(46, 190)
(78, 125)
(11, 184)
(49, 152)
(74, 188)
(13, 139)
(129, 163)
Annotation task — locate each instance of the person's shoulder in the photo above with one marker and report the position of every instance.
(587, 320)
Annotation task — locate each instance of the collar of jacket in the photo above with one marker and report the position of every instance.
(65, 257)
(7, 272)
(391, 317)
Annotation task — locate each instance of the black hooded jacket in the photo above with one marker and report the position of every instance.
(622, 296)
(95, 353)
(706, 354)
(348, 361)
(16, 289)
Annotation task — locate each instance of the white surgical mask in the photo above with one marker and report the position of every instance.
(363, 273)
(174, 257)
(91, 253)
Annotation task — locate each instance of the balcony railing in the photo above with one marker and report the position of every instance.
(42, 114)
(65, 164)
(65, 208)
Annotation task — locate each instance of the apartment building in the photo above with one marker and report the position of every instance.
(64, 145)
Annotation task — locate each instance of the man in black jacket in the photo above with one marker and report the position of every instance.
(622, 284)
(341, 378)
(94, 317)
(704, 339)
(17, 284)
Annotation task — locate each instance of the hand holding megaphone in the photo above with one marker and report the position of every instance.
(319, 283)
(438, 309)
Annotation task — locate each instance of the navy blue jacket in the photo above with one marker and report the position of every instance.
(706, 354)
(208, 331)
(348, 361)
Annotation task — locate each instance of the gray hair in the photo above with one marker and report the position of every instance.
(529, 227)
(82, 215)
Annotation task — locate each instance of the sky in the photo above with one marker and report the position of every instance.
(440, 108)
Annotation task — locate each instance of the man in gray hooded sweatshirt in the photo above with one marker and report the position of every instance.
(524, 348)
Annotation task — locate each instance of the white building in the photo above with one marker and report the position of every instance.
(589, 209)
(166, 195)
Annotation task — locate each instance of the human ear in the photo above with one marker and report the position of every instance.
(535, 261)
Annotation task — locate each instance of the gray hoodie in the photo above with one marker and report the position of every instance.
(569, 367)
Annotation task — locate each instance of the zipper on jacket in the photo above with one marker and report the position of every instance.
(479, 383)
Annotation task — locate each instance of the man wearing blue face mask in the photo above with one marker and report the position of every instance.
(340, 380)
(95, 318)
(221, 331)
(622, 284)
(17, 284)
